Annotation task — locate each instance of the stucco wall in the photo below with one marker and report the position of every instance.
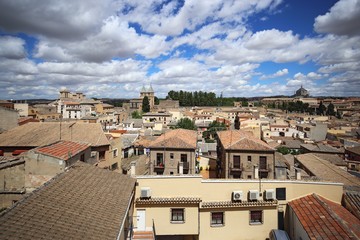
(236, 218)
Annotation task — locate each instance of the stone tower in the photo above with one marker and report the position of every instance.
(149, 92)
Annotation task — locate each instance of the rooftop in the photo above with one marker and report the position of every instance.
(323, 219)
(64, 208)
(178, 138)
(242, 140)
(36, 134)
(63, 150)
(327, 171)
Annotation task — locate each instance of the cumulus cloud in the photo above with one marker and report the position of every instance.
(342, 19)
(12, 47)
(279, 73)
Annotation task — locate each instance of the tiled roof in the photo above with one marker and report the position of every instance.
(355, 150)
(246, 204)
(168, 200)
(323, 219)
(242, 140)
(85, 202)
(351, 201)
(63, 149)
(178, 138)
(36, 134)
(321, 148)
(327, 171)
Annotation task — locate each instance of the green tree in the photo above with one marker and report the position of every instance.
(136, 115)
(283, 150)
(156, 100)
(145, 105)
(212, 129)
(186, 123)
(321, 109)
(330, 110)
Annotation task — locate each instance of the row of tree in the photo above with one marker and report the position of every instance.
(203, 99)
(301, 107)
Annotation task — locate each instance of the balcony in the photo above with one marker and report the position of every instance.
(159, 167)
(186, 167)
(265, 168)
(236, 168)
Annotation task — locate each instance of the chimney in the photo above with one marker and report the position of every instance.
(256, 172)
(132, 168)
(181, 168)
(298, 174)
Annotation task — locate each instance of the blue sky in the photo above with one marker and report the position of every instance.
(241, 48)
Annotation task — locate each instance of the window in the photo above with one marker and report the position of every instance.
(171, 155)
(183, 157)
(236, 161)
(256, 217)
(101, 155)
(281, 193)
(115, 153)
(159, 159)
(177, 215)
(82, 157)
(249, 158)
(217, 218)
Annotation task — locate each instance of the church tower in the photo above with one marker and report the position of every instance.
(149, 92)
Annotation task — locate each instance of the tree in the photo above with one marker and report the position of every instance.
(283, 150)
(237, 122)
(186, 123)
(145, 105)
(212, 129)
(136, 115)
(330, 110)
(321, 109)
(156, 100)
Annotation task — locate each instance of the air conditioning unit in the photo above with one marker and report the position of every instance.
(253, 195)
(237, 195)
(93, 154)
(145, 192)
(270, 194)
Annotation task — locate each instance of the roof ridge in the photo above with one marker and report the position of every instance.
(334, 215)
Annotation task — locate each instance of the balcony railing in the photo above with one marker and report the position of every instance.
(265, 168)
(159, 167)
(236, 168)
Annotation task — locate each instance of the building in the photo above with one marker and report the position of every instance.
(174, 153)
(315, 217)
(12, 180)
(189, 207)
(8, 119)
(45, 162)
(301, 92)
(136, 103)
(31, 135)
(352, 156)
(241, 155)
(84, 202)
(314, 131)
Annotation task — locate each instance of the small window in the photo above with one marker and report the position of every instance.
(183, 157)
(249, 158)
(177, 215)
(217, 219)
(281, 193)
(236, 161)
(171, 155)
(256, 217)
(115, 153)
(82, 157)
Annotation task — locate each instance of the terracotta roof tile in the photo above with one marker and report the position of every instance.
(242, 140)
(323, 219)
(178, 138)
(63, 149)
(85, 202)
(36, 134)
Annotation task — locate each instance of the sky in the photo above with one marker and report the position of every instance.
(241, 48)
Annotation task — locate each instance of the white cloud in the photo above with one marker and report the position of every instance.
(279, 73)
(342, 19)
(12, 47)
